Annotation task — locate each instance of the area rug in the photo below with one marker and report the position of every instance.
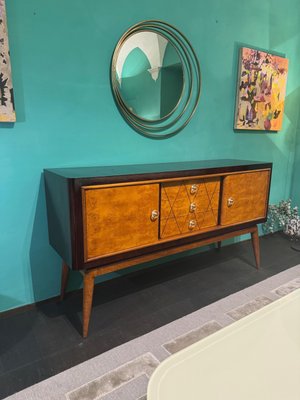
(123, 372)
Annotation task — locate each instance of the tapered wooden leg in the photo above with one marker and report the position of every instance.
(255, 244)
(88, 290)
(219, 244)
(64, 280)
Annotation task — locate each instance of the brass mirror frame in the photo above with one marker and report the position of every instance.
(180, 116)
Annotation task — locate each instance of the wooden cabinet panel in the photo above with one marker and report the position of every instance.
(245, 197)
(119, 218)
(189, 206)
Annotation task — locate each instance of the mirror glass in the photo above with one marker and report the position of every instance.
(149, 75)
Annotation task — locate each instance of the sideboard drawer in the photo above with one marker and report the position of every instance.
(245, 197)
(189, 206)
(119, 218)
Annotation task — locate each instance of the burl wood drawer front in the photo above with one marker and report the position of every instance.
(245, 197)
(119, 218)
(189, 206)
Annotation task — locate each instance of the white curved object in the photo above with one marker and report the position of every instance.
(151, 44)
(257, 357)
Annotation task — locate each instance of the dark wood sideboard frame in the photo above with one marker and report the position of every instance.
(65, 217)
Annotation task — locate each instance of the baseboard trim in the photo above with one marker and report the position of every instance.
(27, 307)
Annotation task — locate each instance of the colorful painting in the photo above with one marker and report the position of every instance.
(261, 90)
(7, 108)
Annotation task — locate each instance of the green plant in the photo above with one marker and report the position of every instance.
(279, 215)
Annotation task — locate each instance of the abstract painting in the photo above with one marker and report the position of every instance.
(261, 90)
(7, 108)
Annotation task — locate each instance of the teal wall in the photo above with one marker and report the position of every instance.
(61, 53)
(295, 192)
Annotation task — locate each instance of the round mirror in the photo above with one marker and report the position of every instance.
(149, 75)
(155, 78)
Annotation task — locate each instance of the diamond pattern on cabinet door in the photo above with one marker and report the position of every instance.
(189, 206)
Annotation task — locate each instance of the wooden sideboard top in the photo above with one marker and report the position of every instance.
(169, 169)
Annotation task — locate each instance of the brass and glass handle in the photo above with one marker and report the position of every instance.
(193, 207)
(154, 215)
(192, 224)
(194, 189)
(230, 202)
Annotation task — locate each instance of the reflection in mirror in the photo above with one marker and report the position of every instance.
(149, 73)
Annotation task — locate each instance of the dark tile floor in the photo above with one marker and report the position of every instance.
(38, 343)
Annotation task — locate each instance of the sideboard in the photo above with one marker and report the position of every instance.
(103, 219)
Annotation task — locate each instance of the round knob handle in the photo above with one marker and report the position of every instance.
(230, 202)
(194, 189)
(193, 207)
(154, 215)
(192, 224)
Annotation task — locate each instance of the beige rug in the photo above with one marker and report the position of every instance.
(123, 372)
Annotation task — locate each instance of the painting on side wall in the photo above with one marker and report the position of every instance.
(7, 108)
(261, 90)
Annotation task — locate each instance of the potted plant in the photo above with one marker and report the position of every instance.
(283, 216)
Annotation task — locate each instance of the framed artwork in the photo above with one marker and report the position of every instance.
(261, 89)
(7, 108)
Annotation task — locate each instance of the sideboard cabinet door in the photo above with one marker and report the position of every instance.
(245, 197)
(119, 218)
